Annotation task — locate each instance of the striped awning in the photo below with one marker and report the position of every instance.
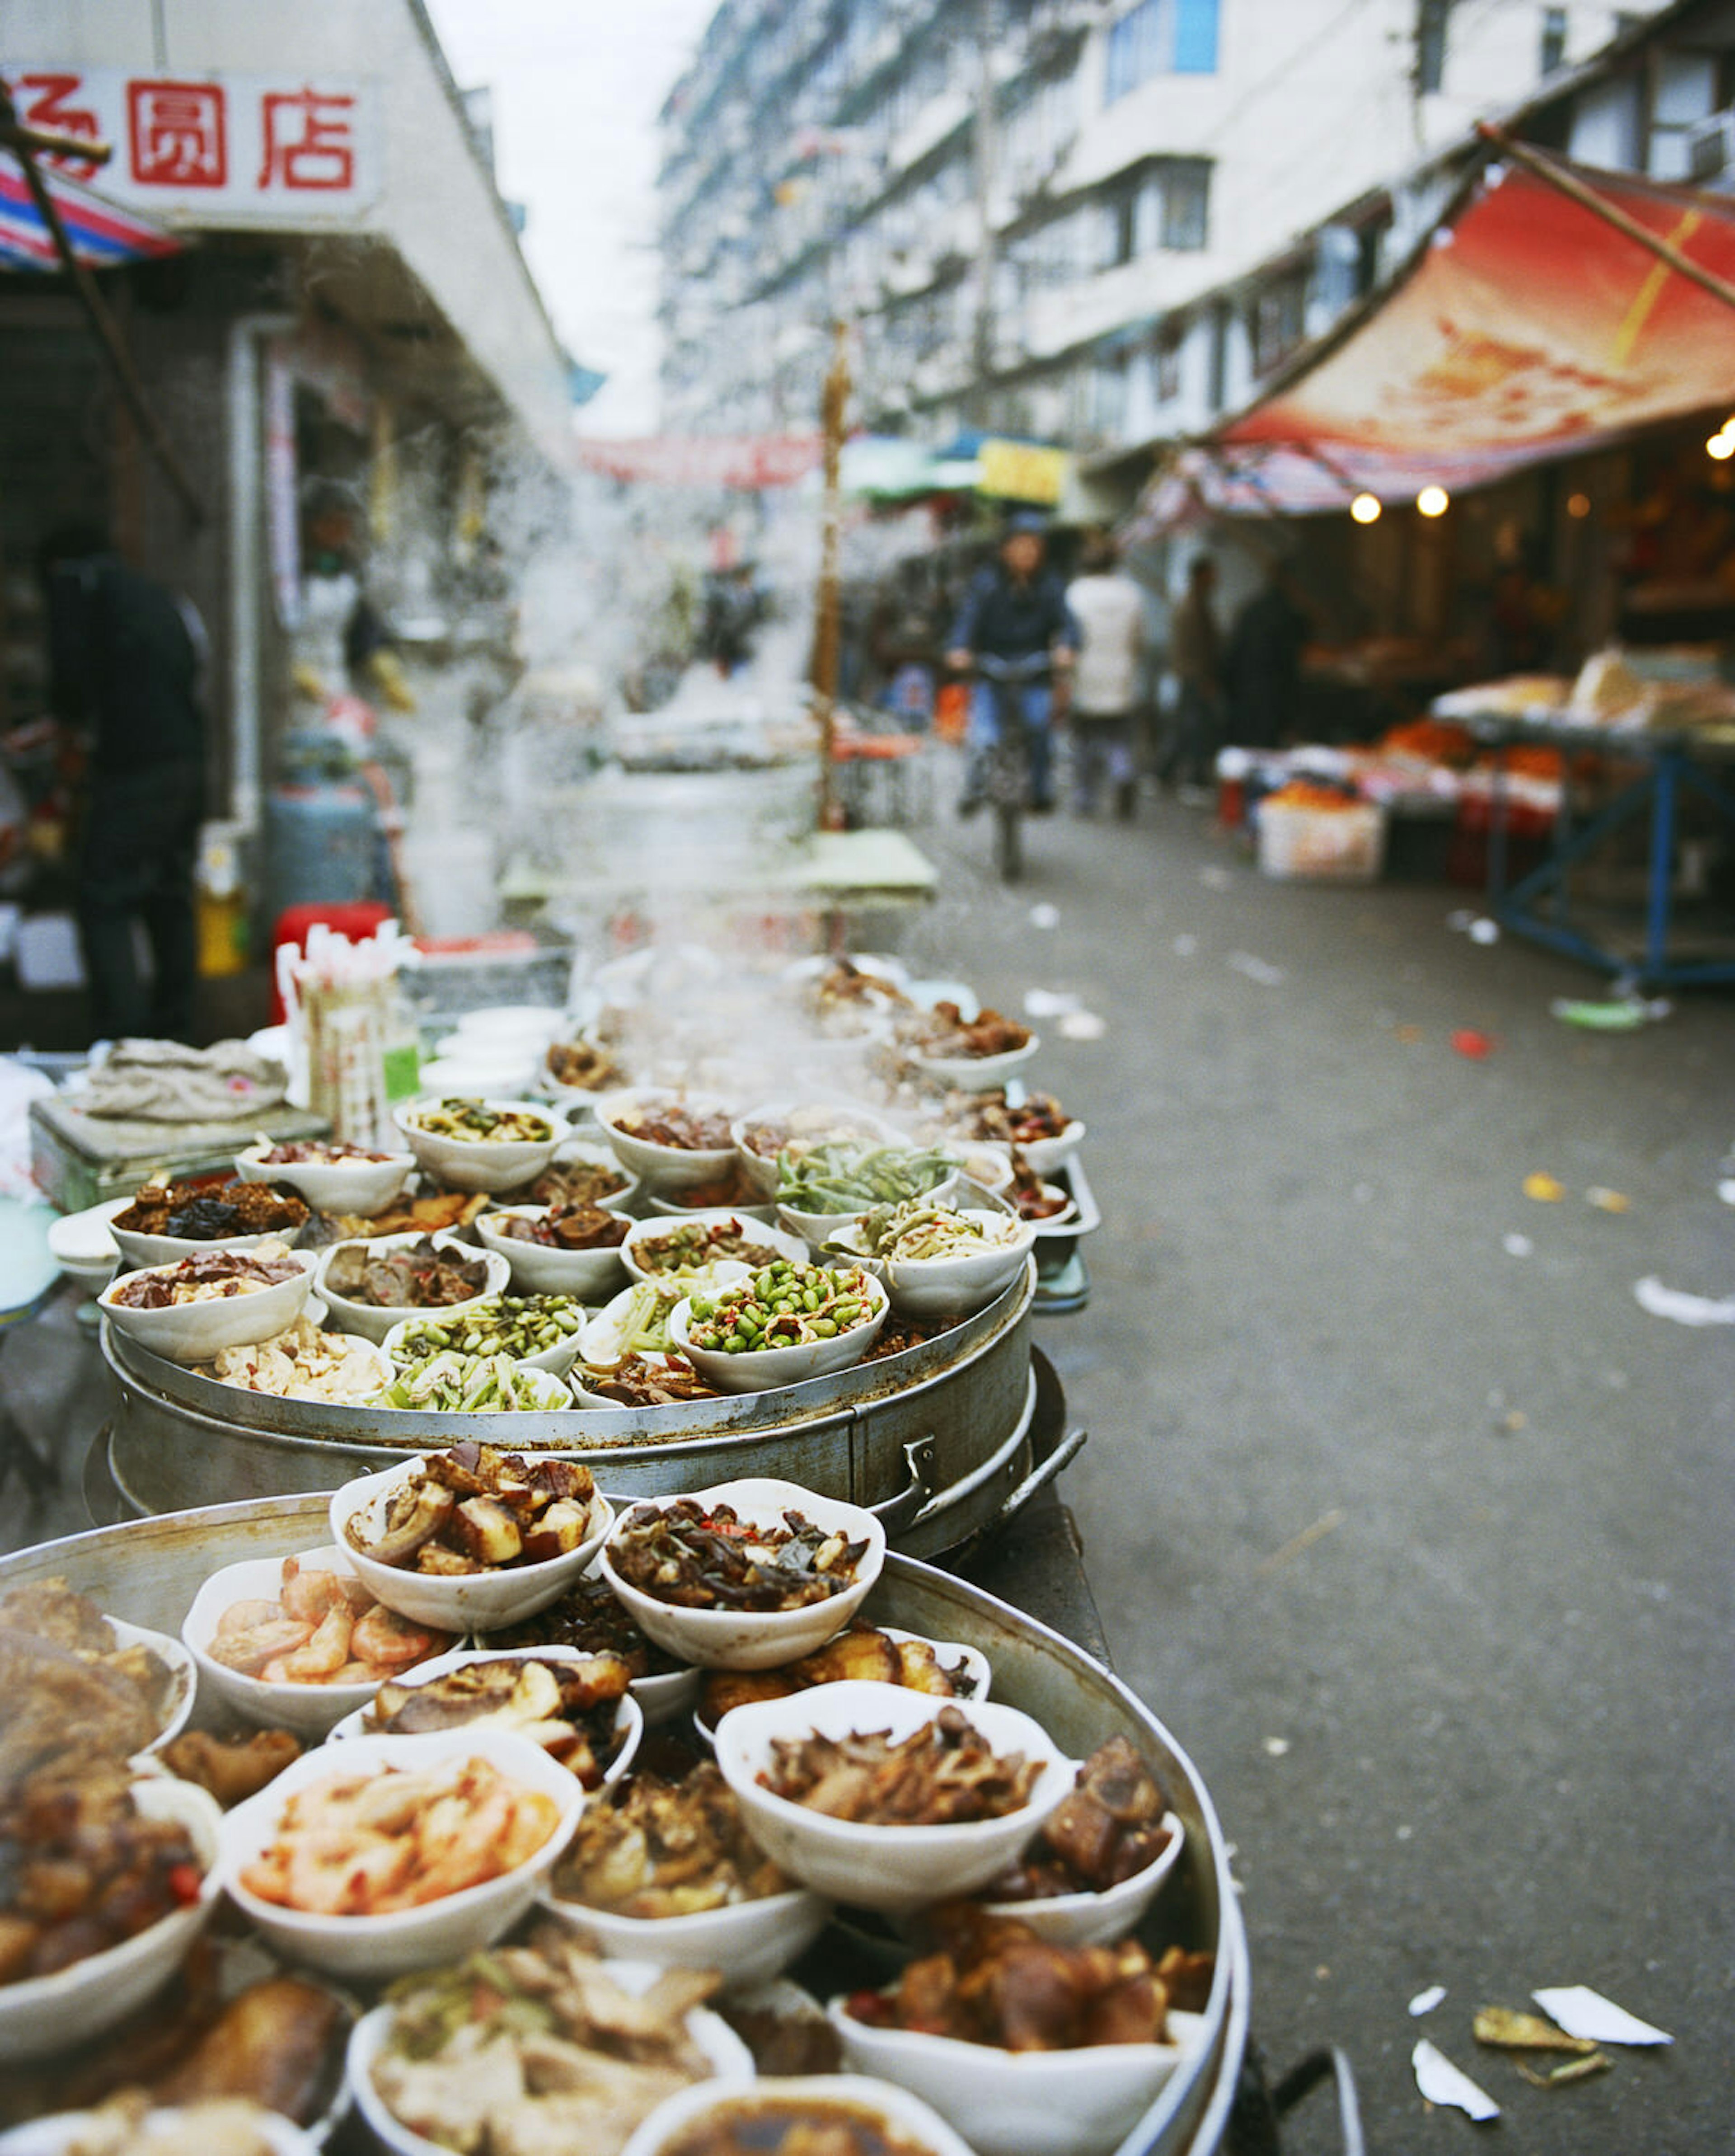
(102, 234)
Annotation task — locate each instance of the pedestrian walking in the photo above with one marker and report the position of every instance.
(1109, 609)
(125, 655)
(1195, 658)
(1014, 613)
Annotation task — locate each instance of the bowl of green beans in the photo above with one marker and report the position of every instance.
(786, 1322)
(541, 1330)
(820, 1189)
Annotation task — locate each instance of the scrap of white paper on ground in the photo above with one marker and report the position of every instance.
(1185, 946)
(1516, 1246)
(1726, 1190)
(1050, 1002)
(1044, 916)
(1215, 879)
(1425, 2002)
(1082, 1025)
(1261, 970)
(1583, 2012)
(1684, 1308)
(1441, 2082)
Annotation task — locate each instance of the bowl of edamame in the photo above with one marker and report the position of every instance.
(541, 1330)
(786, 1322)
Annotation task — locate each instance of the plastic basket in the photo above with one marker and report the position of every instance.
(1299, 845)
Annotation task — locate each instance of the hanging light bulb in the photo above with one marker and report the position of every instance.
(1578, 505)
(1720, 446)
(1433, 501)
(1365, 509)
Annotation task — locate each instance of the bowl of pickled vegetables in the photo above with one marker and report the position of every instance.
(482, 1145)
(818, 1190)
(939, 1261)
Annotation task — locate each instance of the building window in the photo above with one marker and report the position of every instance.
(1160, 37)
(1431, 45)
(1280, 320)
(1553, 54)
(1167, 369)
(1186, 187)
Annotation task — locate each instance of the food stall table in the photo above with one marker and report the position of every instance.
(1674, 763)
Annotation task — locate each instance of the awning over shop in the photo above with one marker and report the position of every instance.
(102, 234)
(1528, 328)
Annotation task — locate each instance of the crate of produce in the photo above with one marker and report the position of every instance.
(1321, 841)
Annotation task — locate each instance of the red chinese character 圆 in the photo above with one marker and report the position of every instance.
(178, 134)
(42, 100)
(308, 143)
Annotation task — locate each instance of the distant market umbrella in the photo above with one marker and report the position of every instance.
(1554, 310)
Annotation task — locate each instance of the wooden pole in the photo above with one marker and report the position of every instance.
(834, 407)
(1544, 168)
(22, 142)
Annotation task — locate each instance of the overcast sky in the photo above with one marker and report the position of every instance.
(576, 87)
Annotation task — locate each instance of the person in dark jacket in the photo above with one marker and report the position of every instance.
(1014, 609)
(125, 658)
(1262, 667)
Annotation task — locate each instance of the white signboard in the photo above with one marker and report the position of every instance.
(214, 148)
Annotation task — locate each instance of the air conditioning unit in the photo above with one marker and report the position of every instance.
(1711, 150)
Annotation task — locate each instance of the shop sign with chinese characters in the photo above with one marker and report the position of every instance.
(212, 148)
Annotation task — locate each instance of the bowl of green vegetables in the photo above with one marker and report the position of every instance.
(820, 1189)
(540, 1330)
(784, 1323)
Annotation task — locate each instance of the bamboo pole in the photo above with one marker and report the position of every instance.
(1544, 168)
(23, 143)
(834, 407)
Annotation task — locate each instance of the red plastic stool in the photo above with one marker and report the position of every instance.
(356, 918)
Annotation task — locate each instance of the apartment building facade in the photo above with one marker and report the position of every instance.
(1093, 222)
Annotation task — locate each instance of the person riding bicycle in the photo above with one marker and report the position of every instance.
(1015, 611)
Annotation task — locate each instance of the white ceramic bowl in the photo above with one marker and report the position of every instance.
(139, 1250)
(1044, 1155)
(731, 2063)
(556, 1360)
(952, 1655)
(762, 1168)
(894, 2110)
(767, 1368)
(81, 1245)
(475, 1075)
(759, 1639)
(309, 1710)
(40, 2014)
(406, 1939)
(990, 1167)
(895, 1869)
(663, 1167)
(332, 1186)
(540, 1269)
(195, 1332)
(817, 1228)
(182, 1669)
(629, 1722)
(748, 1941)
(65, 2130)
(657, 1231)
(373, 1324)
(942, 1287)
(1023, 2103)
(476, 1602)
(1088, 1919)
(481, 1163)
(975, 1074)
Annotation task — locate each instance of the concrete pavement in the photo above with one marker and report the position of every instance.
(1420, 1547)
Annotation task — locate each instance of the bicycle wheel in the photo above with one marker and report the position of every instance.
(1008, 841)
(1007, 780)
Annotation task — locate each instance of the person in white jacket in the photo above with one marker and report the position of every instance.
(1110, 610)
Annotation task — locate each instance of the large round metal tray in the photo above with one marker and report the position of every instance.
(148, 1572)
(941, 1428)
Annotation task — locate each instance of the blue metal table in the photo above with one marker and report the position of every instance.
(1670, 765)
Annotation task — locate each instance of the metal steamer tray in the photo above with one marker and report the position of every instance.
(148, 1571)
(936, 1439)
